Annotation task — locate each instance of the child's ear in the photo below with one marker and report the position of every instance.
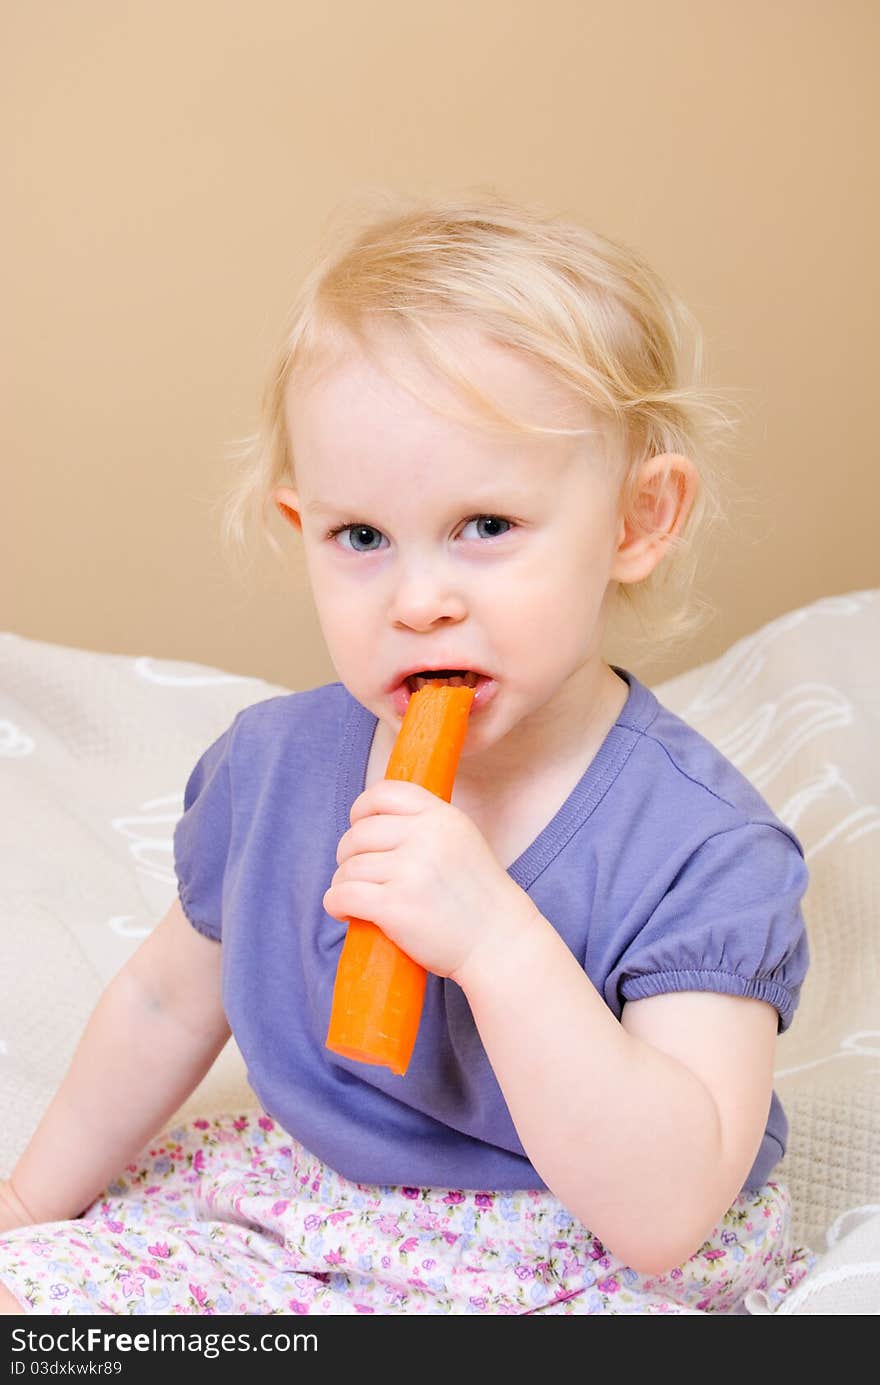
(668, 485)
(287, 501)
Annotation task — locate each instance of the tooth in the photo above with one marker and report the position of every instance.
(468, 680)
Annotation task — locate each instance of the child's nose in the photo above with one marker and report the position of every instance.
(424, 595)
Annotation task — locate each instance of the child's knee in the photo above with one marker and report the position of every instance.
(8, 1302)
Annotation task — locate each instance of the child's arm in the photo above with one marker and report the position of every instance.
(153, 1035)
(644, 1128)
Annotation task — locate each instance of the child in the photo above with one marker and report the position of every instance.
(484, 432)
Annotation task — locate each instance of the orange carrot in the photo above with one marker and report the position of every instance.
(379, 990)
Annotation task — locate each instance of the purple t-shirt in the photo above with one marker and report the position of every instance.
(664, 870)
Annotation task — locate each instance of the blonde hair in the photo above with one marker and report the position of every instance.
(587, 308)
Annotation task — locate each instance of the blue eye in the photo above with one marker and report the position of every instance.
(491, 519)
(355, 529)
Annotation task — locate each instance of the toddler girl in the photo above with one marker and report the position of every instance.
(487, 433)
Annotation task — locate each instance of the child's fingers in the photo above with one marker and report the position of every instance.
(376, 833)
(391, 796)
(374, 866)
(354, 899)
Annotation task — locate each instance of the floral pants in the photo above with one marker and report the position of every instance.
(232, 1216)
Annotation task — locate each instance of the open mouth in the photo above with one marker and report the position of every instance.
(451, 677)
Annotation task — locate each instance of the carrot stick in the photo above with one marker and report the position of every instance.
(379, 990)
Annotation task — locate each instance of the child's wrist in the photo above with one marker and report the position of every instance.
(13, 1203)
(518, 928)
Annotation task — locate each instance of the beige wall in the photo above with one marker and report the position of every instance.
(169, 167)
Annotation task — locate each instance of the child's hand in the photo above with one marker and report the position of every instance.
(421, 870)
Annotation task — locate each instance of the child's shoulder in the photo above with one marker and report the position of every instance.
(289, 714)
(290, 730)
(687, 773)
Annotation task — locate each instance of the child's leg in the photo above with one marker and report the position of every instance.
(8, 1302)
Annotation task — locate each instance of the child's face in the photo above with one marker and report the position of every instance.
(470, 550)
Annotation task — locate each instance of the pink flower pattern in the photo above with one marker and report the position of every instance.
(238, 1218)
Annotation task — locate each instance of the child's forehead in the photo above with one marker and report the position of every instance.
(386, 365)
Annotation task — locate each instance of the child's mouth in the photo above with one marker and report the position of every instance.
(485, 687)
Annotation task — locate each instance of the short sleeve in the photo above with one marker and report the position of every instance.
(202, 837)
(731, 921)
